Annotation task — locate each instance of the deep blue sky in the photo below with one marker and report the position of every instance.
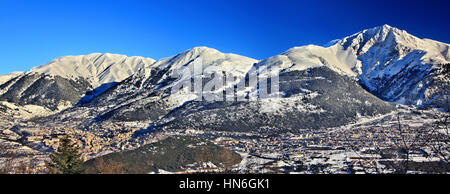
(35, 31)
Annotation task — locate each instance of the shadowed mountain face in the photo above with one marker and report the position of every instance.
(313, 98)
(44, 90)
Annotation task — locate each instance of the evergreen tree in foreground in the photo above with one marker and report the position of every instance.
(67, 159)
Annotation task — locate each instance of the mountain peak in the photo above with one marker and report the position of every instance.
(386, 26)
(386, 29)
(200, 50)
(203, 48)
(208, 55)
(384, 36)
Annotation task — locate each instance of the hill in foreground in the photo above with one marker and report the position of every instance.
(172, 154)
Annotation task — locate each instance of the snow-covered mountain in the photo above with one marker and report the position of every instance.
(389, 62)
(95, 68)
(399, 67)
(238, 65)
(64, 81)
(319, 86)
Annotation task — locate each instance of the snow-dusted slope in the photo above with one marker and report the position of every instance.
(7, 77)
(23, 112)
(312, 98)
(305, 57)
(64, 81)
(398, 66)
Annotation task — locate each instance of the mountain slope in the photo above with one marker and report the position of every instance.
(304, 57)
(312, 96)
(7, 77)
(64, 81)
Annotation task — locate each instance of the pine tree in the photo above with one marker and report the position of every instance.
(67, 159)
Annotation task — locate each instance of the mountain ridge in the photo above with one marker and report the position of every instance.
(389, 62)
